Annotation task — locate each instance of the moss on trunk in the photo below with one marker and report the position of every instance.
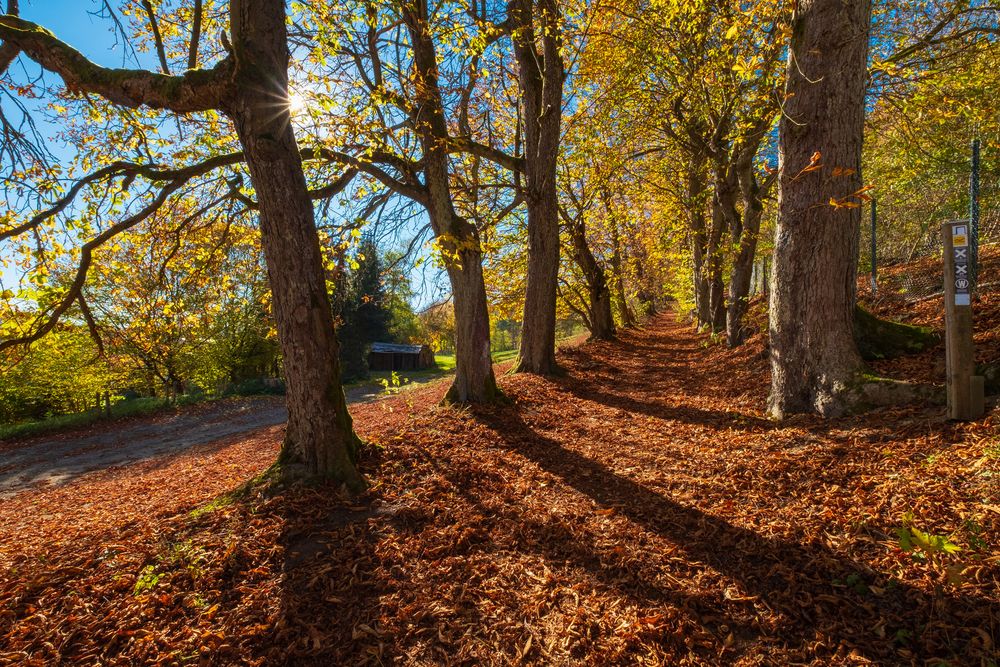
(883, 339)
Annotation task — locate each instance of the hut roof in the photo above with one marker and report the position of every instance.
(396, 348)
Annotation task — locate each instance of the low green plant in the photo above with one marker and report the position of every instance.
(146, 581)
(392, 384)
(935, 549)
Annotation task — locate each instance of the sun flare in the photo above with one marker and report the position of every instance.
(296, 103)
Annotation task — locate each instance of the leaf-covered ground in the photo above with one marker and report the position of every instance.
(638, 510)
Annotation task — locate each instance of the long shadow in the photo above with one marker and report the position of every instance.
(738, 421)
(783, 575)
(592, 389)
(706, 615)
(330, 586)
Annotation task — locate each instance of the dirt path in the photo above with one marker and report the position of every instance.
(57, 459)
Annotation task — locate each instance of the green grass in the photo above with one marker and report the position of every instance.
(120, 410)
(504, 355)
(444, 364)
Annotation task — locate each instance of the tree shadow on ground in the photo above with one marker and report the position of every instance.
(600, 376)
(782, 575)
(330, 586)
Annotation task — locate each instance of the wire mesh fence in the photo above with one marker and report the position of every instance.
(911, 266)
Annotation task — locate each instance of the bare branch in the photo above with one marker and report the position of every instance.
(91, 324)
(131, 170)
(86, 257)
(468, 145)
(157, 38)
(415, 192)
(195, 35)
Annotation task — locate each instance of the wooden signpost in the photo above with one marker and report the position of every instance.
(965, 389)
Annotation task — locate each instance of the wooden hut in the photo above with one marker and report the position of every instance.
(397, 357)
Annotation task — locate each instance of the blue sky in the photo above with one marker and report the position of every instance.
(71, 21)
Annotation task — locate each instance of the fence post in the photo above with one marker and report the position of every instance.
(874, 213)
(964, 390)
(107, 404)
(974, 214)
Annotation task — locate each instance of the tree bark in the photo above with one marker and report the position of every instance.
(618, 267)
(250, 85)
(814, 359)
(541, 79)
(600, 319)
(319, 435)
(725, 216)
(474, 379)
(698, 230)
(742, 272)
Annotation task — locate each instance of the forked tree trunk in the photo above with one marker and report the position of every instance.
(319, 437)
(540, 72)
(712, 274)
(725, 217)
(618, 267)
(698, 234)
(742, 271)
(814, 359)
(644, 295)
(600, 317)
(718, 296)
(474, 379)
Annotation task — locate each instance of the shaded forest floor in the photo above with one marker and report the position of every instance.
(639, 509)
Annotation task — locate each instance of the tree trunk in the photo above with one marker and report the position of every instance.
(742, 272)
(618, 267)
(698, 229)
(814, 359)
(319, 435)
(474, 379)
(725, 217)
(644, 295)
(601, 320)
(541, 77)
(602, 317)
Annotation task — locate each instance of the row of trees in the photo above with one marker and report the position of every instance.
(563, 157)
